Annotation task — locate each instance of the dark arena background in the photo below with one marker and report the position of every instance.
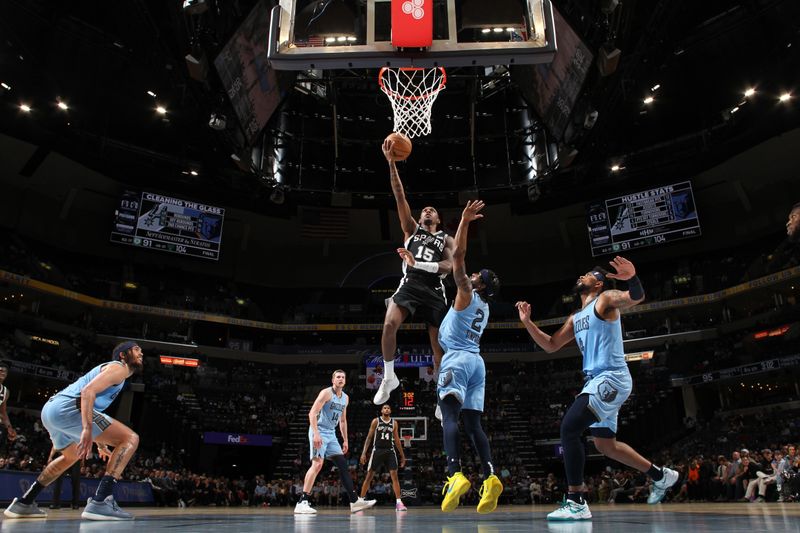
(205, 178)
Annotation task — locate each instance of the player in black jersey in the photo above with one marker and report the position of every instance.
(385, 438)
(427, 255)
(10, 433)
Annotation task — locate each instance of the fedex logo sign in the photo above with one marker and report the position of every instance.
(237, 439)
(412, 23)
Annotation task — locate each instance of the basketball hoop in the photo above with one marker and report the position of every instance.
(412, 92)
(406, 441)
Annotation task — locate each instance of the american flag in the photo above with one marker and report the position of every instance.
(324, 223)
(311, 40)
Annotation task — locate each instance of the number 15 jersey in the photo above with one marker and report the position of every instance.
(462, 330)
(429, 248)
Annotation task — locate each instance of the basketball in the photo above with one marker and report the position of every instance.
(402, 146)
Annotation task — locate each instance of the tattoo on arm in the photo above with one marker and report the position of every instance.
(618, 299)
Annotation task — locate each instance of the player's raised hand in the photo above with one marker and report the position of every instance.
(625, 269)
(472, 210)
(387, 150)
(407, 256)
(524, 310)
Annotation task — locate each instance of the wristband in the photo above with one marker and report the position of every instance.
(431, 267)
(635, 288)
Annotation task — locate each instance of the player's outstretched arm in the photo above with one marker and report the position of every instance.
(407, 221)
(463, 284)
(614, 299)
(548, 343)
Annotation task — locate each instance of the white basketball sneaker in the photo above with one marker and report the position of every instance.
(386, 388)
(303, 507)
(360, 504)
(571, 510)
(660, 487)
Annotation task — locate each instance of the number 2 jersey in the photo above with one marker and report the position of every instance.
(462, 330)
(331, 412)
(429, 248)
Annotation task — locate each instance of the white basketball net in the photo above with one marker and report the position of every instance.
(412, 92)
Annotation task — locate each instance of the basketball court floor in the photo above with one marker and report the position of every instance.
(679, 518)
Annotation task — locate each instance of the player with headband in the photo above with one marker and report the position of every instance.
(597, 329)
(74, 418)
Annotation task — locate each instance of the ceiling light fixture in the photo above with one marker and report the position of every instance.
(25, 108)
(615, 168)
(63, 106)
(161, 110)
(785, 97)
(655, 87)
(5, 86)
(151, 93)
(193, 172)
(648, 100)
(749, 92)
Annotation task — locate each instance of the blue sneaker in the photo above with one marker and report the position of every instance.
(105, 510)
(17, 509)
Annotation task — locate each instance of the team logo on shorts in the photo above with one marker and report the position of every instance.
(606, 392)
(446, 378)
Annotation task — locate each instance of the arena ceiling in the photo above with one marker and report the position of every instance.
(102, 59)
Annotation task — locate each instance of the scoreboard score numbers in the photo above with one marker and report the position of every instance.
(644, 218)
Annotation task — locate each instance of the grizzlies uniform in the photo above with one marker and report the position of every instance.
(608, 381)
(462, 372)
(61, 415)
(420, 292)
(383, 452)
(328, 419)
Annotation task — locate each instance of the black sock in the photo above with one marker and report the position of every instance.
(451, 410)
(306, 497)
(33, 491)
(105, 488)
(655, 472)
(576, 497)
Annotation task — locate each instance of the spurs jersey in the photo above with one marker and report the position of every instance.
(429, 248)
(384, 435)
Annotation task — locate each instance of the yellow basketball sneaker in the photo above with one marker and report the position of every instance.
(490, 491)
(453, 490)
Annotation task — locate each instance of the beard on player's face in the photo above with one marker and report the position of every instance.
(582, 287)
(133, 362)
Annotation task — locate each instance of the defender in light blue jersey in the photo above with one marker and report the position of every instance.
(329, 410)
(597, 330)
(75, 419)
(462, 374)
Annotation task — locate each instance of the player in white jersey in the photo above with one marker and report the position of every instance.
(11, 434)
(329, 410)
(597, 330)
(421, 292)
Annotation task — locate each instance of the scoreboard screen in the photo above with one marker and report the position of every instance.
(158, 222)
(655, 216)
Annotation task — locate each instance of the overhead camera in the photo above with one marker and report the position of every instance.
(217, 121)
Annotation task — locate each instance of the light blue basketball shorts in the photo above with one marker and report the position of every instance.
(330, 444)
(62, 419)
(607, 391)
(463, 374)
